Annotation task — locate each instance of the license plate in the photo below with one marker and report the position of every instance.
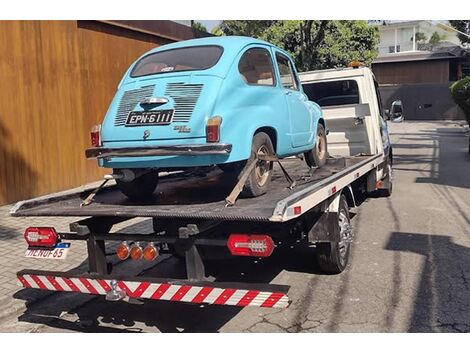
(59, 252)
(149, 118)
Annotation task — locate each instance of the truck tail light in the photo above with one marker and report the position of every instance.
(95, 136)
(41, 236)
(250, 245)
(213, 129)
(123, 251)
(136, 251)
(150, 252)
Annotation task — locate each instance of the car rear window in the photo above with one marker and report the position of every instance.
(343, 92)
(181, 59)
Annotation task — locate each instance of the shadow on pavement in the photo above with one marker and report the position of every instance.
(442, 301)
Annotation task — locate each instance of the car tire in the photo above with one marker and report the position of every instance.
(141, 188)
(259, 179)
(332, 257)
(318, 155)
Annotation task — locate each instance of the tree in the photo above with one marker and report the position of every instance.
(436, 38)
(462, 26)
(420, 37)
(314, 44)
(217, 31)
(198, 26)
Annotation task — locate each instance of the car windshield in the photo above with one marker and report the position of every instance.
(174, 60)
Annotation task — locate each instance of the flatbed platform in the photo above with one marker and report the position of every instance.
(201, 195)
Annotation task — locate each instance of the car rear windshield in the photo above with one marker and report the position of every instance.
(174, 60)
(333, 93)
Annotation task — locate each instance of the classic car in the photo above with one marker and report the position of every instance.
(224, 101)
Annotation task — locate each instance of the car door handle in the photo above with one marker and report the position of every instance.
(288, 92)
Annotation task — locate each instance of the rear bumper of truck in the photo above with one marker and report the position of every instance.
(183, 149)
(189, 291)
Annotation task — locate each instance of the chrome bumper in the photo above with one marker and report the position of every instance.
(185, 149)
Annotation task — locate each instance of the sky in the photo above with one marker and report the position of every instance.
(209, 23)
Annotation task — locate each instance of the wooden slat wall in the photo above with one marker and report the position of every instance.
(431, 71)
(57, 79)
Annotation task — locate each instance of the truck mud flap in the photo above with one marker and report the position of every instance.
(197, 292)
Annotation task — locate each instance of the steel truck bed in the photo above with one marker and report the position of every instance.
(201, 195)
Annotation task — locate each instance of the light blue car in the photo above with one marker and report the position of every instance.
(212, 101)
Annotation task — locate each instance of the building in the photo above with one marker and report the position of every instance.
(57, 80)
(408, 36)
(421, 79)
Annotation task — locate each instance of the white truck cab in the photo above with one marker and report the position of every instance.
(352, 107)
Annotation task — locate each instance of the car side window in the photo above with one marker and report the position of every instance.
(288, 79)
(256, 67)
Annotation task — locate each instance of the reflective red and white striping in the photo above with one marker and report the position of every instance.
(159, 291)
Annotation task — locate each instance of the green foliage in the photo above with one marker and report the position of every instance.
(314, 44)
(421, 37)
(199, 26)
(464, 27)
(460, 91)
(217, 31)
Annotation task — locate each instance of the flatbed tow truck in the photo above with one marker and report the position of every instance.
(191, 220)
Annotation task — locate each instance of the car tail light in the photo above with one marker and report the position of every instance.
(150, 252)
(95, 136)
(250, 245)
(41, 236)
(136, 251)
(123, 251)
(213, 129)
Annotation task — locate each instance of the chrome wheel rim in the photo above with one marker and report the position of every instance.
(321, 143)
(344, 235)
(262, 167)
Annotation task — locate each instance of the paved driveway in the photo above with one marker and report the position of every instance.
(410, 267)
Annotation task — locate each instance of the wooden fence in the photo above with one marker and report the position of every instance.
(57, 79)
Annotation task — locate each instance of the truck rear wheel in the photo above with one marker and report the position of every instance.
(317, 156)
(141, 188)
(259, 179)
(333, 257)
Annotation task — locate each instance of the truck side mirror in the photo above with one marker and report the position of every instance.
(396, 111)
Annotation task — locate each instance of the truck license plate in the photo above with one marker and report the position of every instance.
(59, 252)
(149, 118)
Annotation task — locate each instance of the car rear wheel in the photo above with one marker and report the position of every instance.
(140, 188)
(317, 156)
(260, 177)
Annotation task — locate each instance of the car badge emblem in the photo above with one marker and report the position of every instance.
(146, 134)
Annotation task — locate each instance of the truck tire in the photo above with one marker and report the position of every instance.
(333, 257)
(317, 156)
(141, 188)
(259, 179)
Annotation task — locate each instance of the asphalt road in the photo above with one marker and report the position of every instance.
(409, 271)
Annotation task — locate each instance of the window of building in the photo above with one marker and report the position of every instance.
(256, 67)
(333, 93)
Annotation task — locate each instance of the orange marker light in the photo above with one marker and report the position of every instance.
(123, 251)
(136, 251)
(150, 252)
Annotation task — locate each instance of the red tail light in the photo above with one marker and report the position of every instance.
(95, 136)
(250, 245)
(213, 129)
(41, 236)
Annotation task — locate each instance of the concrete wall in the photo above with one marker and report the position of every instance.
(423, 101)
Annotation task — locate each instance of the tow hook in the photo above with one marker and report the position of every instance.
(115, 294)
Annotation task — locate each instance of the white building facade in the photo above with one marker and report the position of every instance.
(412, 36)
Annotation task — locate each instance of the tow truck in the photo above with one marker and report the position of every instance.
(192, 221)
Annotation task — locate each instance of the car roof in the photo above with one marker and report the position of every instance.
(227, 42)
